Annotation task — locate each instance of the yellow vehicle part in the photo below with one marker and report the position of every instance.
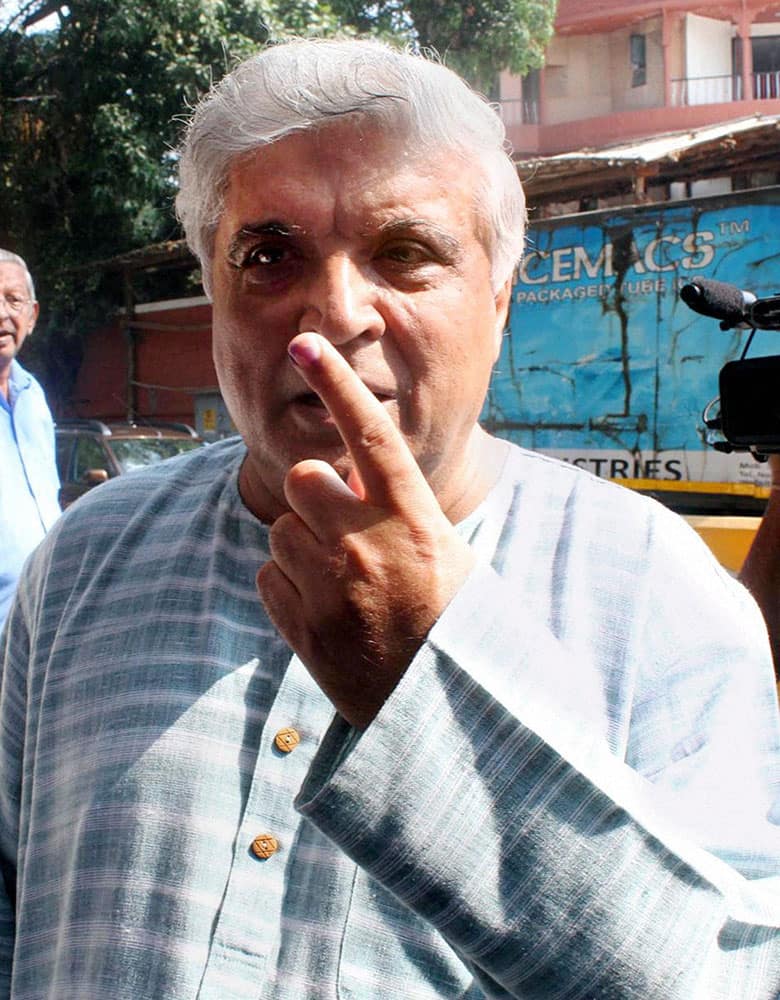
(729, 536)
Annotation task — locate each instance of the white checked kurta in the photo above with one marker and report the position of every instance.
(575, 786)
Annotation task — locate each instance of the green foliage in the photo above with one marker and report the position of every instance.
(87, 124)
(476, 37)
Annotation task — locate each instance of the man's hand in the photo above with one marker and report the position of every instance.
(360, 571)
(774, 465)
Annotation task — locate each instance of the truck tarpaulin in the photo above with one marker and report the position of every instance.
(603, 365)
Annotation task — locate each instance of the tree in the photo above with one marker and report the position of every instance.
(477, 37)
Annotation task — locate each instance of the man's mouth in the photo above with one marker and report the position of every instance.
(311, 399)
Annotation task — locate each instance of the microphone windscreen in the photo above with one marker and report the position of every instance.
(715, 299)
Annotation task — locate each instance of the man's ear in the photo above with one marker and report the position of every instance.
(503, 298)
(35, 310)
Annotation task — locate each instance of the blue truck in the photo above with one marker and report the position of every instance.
(604, 366)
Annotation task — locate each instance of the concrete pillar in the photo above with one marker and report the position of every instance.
(743, 29)
(667, 24)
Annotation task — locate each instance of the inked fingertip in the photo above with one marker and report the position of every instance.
(304, 350)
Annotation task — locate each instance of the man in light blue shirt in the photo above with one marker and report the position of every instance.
(29, 484)
(494, 727)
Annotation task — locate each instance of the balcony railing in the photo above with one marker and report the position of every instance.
(706, 90)
(519, 111)
(684, 92)
(766, 86)
(722, 89)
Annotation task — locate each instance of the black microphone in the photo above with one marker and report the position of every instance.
(718, 300)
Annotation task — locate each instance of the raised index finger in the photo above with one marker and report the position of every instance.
(382, 458)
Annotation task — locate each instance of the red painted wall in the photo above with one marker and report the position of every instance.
(623, 126)
(172, 363)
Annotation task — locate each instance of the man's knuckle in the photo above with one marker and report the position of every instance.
(376, 434)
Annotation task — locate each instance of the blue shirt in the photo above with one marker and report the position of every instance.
(572, 792)
(29, 484)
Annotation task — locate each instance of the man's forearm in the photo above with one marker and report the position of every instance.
(534, 875)
(761, 570)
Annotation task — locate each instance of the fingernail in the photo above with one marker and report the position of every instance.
(355, 483)
(304, 350)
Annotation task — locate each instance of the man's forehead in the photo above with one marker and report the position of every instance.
(266, 187)
(12, 273)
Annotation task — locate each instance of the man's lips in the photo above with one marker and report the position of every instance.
(313, 400)
(308, 399)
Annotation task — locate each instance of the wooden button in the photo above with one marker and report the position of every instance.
(287, 740)
(264, 846)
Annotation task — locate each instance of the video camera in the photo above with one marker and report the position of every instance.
(746, 415)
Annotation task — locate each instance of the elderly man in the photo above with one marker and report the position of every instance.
(29, 484)
(495, 728)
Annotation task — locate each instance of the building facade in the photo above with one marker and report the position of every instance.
(617, 71)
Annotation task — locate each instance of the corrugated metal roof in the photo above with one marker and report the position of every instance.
(671, 146)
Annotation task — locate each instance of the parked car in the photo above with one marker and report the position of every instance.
(89, 452)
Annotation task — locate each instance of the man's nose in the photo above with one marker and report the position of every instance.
(342, 302)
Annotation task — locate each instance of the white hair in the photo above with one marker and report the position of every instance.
(6, 257)
(301, 85)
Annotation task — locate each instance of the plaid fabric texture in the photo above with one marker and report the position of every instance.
(572, 793)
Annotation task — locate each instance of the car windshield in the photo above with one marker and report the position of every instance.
(134, 453)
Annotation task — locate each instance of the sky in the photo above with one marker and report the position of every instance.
(10, 7)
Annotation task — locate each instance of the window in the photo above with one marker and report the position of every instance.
(64, 451)
(638, 60)
(766, 67)
(531, 97)
(135, 453)
(89, 455)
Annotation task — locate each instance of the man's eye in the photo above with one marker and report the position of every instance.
(266, 256)
(408, 253)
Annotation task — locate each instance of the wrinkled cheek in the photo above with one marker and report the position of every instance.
(237, 375)
(409, 415)
(228, 371)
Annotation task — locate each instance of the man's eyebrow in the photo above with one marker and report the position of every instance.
(254, 229)
(423, 227)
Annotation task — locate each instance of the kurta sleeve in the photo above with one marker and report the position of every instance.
(485, 796)
(13, 644)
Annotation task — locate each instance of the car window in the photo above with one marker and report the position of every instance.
(64, 451)
(134, 453)
(89, 455)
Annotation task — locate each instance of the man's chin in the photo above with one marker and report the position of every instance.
(262, 476)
